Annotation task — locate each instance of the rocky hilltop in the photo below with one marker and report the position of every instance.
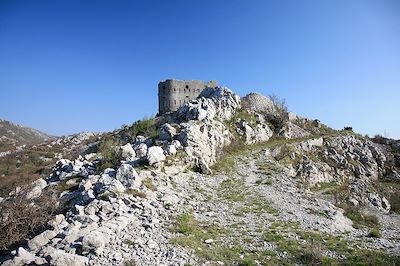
(224, 180)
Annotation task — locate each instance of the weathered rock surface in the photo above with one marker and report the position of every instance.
(155, 155)
(124, 214)
(128, 153)
(128, 176)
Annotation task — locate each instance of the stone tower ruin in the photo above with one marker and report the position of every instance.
(173, 93)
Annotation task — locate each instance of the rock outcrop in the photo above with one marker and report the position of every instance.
(123, 213)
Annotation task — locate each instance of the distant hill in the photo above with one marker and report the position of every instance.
(13, 135)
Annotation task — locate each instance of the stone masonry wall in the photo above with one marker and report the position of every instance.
(172, 93)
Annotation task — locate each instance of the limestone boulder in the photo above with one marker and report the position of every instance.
(167, 132)
(293, 131)
(219, 102)
(24, 257)
(170, 149)
(313, 172)
(204, 140)
(61, 258)
(94, 241)
(380, 203)
(41, 240)
(260, 132)
(155, 155)
(37, 188)
(339, 221)
(128, 153)
(140, 149)
(128, 176)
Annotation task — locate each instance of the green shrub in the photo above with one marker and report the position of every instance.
(375, 232)
(111, 153)
(148, 127)
(358, 218)
(247, 262)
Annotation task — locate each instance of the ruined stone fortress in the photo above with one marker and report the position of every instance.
(173, 93)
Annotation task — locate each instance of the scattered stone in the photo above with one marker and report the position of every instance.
(94, 241)
(41, 240)
(209, 241)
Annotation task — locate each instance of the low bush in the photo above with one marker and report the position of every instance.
(359, 218)
(313, 254)
(394, 201)
(375, 232)
(281, 117)
(21, 218)
(136, 193)
(111, 153)
(147, 182)
(148, 127)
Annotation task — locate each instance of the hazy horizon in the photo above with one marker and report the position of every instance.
(72, 66)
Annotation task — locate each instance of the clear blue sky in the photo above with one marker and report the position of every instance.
(70, 66)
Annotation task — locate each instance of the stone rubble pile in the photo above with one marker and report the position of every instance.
(340, 159)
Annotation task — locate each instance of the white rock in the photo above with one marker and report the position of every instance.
(128, 176)
(90, 156)
(59, 219)
(204, 140)
(339, 222)
(37, 188)
(128, 153)
(354, 201)
(385, 204)
(61, 258)
(110, 172)
(167, 132)
(152, 244)
(117, 187)
(141, 150)
(260, 133)
(140, 138)
(209, 241)
(24, 257)
(170, 149)
(177, 144)
(203, 167)
(40, 240)
(217, 102)
(155, 155)
(94, 241)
